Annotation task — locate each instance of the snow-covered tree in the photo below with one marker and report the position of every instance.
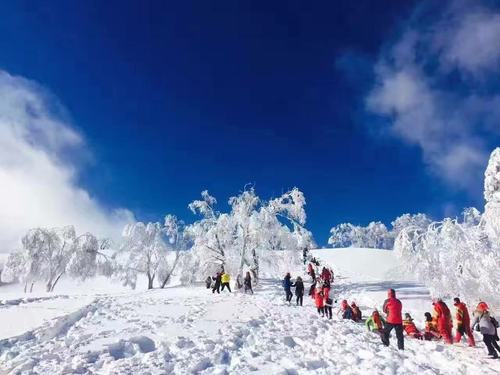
(176, 246)
(421, 221)
(253, 234)
(491, 215)
(375, 234)
(48, 254)
(343, 235)
(143, 248)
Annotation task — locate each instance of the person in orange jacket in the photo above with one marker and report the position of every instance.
(442, 317)
(462, 319)
(320, 302)
(410, 327)
(431, 330)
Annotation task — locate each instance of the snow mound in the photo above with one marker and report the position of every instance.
(370, 264)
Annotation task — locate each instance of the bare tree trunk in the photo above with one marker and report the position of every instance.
(169, 274)
(26, 286)
(150, 280)
(31, 288)
(55, 282)
(48, 287)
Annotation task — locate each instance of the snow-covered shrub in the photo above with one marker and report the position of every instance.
(375, 234)
(459, 258)
(452, 258)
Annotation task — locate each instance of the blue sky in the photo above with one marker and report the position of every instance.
(355, 103)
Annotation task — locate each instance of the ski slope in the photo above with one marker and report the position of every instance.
(182, 330)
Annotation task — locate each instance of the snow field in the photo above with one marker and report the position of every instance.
(182, 330)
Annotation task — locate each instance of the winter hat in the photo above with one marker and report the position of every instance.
(408, 316)
(456, 300)
(482, 306)
(391, 293)
(353, 304)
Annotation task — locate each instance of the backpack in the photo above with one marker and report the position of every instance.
(494, 322)
(347, 313)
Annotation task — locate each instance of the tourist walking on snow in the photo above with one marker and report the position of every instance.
(320, 303)
(208, 282)
(392, 308)
(299, 290)
(217, 283)
(287, 285)
(248, 283)
(310, 272)
(463, 322)
(327, 301)
(442, 316)
(225, 279)
(239, 283)
(325, 274)
(487, 325)
(375, 323)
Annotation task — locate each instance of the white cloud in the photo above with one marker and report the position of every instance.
(451, 124)
(471, 42)
(37, 183)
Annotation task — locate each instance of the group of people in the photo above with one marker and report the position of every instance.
(222, 280)
(438, 325)
(326, 273)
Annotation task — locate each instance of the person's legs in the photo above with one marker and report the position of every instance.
(488, 341)
(228, 287)
(494, 343)
(329, 312)
(387, 333)
(223, 285)
(400, 336)
(446, 334)
(470, 336)
(459, 334)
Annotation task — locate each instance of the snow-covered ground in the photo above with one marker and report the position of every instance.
(182, 330)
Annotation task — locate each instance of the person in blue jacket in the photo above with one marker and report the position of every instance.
(287, 285)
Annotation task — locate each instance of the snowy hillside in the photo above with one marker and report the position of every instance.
(102, 328)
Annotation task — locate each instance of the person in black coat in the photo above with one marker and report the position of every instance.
(299, 290)
(247, 282)
(217, 279)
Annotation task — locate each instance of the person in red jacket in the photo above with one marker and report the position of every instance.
(327, 301)
(442, 317)
(325, 274)
(320, 303)
(463, 322)
(392, 308)
(356, 312)
(410, 327)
